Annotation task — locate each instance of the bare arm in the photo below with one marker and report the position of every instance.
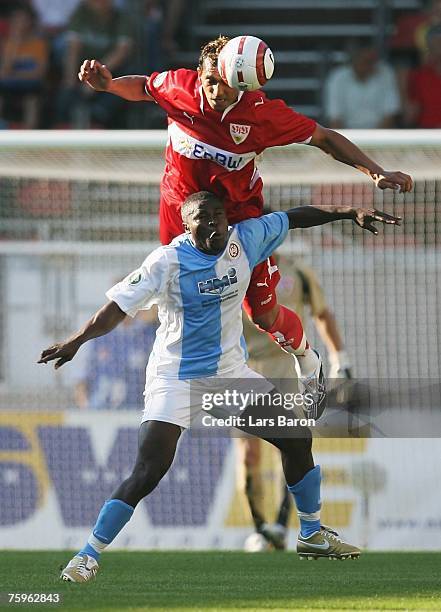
(99, 78)
(336, 124)
(310, 216)
(328, 330)
(340, 365)
(345, 151)
(102, 322)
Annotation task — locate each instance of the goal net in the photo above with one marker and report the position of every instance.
(78, 211)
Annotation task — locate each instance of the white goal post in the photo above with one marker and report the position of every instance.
(278, 165)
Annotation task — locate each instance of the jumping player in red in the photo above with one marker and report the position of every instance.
(215, 134)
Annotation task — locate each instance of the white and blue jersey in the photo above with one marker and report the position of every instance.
(199, 298)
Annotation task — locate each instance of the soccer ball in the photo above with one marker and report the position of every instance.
(256, 543)
(246, 63)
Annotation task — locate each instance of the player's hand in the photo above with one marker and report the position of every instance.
(340, 366)
(344, 373)
(366, 218)
(95, 74)
(394, 180)
(62, 353)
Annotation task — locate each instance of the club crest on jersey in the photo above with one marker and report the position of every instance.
(239, 132)
(217, 285)
(234, 250)
(135, 277)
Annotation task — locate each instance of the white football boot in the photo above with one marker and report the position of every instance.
(81, 568)
(326, 543)
(313, 390)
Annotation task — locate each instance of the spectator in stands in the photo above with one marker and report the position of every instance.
(363, 94)
(113, 372)
(23, 65)
(148, 36)
(96, 29)
(408, 48)
(408, 44)
(54, 16)
(158, 25)
(173, 17)
(5, 9)
(424, 88)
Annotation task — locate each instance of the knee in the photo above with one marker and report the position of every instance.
(265, 320)
(298, 447)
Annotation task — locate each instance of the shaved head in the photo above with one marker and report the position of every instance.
(194, 201)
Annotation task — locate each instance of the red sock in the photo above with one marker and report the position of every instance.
(287, 331)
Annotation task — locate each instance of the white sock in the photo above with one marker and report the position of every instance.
(306, 364)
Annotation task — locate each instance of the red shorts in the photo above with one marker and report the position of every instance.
(261, 295)
(170, 223)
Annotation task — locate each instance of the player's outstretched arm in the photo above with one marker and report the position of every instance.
(102, 322)
(345, 151)
(310, 216)
(99, 78)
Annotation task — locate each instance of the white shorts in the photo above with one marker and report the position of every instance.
(182, 402)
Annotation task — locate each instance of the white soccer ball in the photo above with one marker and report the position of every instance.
(256, 543)
(246, 63)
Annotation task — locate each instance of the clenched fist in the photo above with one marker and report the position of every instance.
(95, 74)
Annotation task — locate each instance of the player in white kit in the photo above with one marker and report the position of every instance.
(199, 282)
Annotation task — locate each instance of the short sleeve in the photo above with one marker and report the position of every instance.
(281, 125)
(261, 237)
(144, 287)
(167, 86)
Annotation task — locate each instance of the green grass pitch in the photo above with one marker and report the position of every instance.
(231, 581)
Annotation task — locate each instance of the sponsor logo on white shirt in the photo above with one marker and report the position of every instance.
(217, 285)
(192, 148)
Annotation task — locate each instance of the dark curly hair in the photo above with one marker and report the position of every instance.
(210, 51)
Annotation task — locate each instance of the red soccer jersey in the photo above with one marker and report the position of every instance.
(213, 151)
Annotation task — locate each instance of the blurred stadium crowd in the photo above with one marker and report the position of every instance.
(382, 69)
(43, 43)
